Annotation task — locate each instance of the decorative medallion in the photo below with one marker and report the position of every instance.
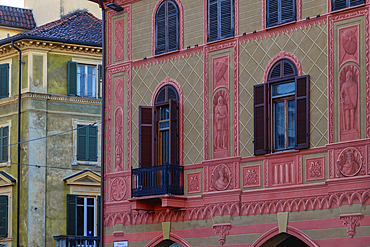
(349, 162)
(221, 177)
(118, 188)
(251, 176)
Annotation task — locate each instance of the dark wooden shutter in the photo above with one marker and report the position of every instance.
(93, 143)
(98, 215)
(4, 80)
(71, 214)
(81, 142)
(355, 2)
(287, 11)
(3, 216)
(100, 80)
(261, 119)
(212, 20)
(160, 29)
(72, 78)
(272, 12)
(302, 123)
(174, 116)
(145, 136)
(339, 4)
(226, 18)
(4, 143)
(172, 27)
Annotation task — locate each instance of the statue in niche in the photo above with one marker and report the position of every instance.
(348, 100)
(221, 177)
(221, 118)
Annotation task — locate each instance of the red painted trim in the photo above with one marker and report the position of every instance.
(170, 81)
(344, 15)
(181, 23)
(356, 241)
(290, 230)
(279, 56)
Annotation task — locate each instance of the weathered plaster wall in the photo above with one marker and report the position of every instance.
(58, 74)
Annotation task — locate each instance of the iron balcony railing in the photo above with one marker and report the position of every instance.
(76, 241)
(157, 180)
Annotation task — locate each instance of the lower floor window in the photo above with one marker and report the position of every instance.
(86, 218)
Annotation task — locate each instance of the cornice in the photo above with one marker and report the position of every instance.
(50, 45)
(57, 98)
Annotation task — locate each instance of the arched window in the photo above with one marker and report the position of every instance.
(158, 131)
(281, 110)
(167, 27)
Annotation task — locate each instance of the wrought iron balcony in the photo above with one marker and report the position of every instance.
(157, 180)
(76, 241)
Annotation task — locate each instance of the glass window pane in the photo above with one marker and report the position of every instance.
(164, 147)
(90, 201)
(91, 85)
(279, 126)
(283, 89)
(165, 113)
(80, 200)
(291, 123)
(90, 221)
(80, 220)
(91, 70)
(81, 84)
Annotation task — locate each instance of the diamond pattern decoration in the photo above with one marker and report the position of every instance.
(309, 45)
(188, 72)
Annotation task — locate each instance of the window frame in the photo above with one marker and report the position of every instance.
(9, 125)
(348, 5)
(219, 17)
(9, 63)
(98, 77)
(75, 161)
(7, 190)
(167, 35)
(295, 13)
(267, 139)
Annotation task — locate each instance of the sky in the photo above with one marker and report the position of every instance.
(14, 3)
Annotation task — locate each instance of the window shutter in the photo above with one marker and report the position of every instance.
(160, 29)
(227, 18)
(260, 119)
(81, 142)
(172, 25)
(71, 214)
(302, 139)
(4, 143)
(356, 2)
(3, 216)
(173, 132)
(72, 78)
(93, 143)
(272, 15)
(212, 20)
(100, 80)
(287, 11)
(145, 136)
(98, 215)
(4, 80)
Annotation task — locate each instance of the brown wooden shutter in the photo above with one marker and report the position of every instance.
(173, 133)
(302, 123)
(145, 136)
(261, 119)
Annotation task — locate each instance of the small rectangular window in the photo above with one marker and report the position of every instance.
(84, 80)
(4, 142)
(4, 80)
(220, 19)
(3, 216)
(87, 143)
(280, 12)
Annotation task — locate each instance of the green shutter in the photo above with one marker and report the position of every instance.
(72, 78)
(4, 135)
(98, 215)
(71, 214)
(81, 142)
(3, 216)
(100, 80)
(92, 143)
(4, 80)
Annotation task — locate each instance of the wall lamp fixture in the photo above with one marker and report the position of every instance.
(115, 7)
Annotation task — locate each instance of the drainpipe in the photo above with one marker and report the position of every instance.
(102, 127)
(19, 136)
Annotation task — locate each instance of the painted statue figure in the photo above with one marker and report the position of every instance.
(350, 167)
(348, 96)
(221, 124)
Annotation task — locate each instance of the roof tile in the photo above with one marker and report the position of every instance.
(9, 16)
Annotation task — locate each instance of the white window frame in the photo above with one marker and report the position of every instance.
(85, 206)
(76, 122)
(89, 62)
(7, 124)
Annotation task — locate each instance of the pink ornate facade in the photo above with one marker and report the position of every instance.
(227, 190)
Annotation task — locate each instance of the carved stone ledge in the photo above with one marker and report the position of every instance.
(222, 230)
(351, 221)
